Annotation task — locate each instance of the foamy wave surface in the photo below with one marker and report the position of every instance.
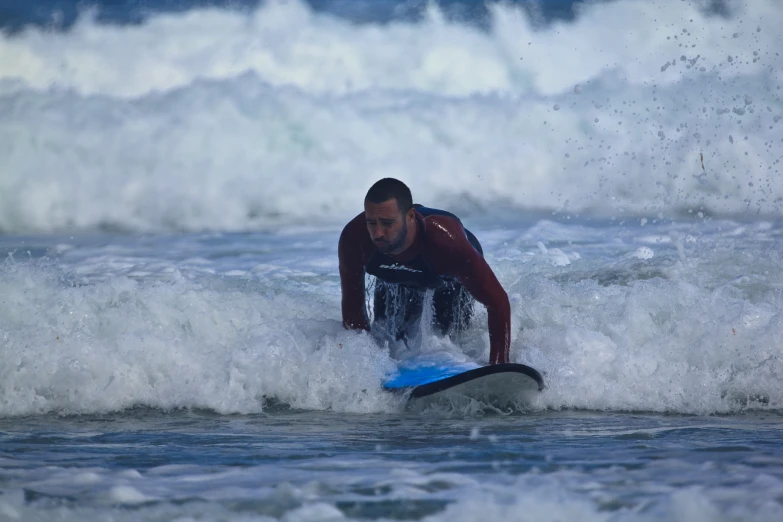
(672, 322)
(214, 120)
(121, 343)
(287, 44)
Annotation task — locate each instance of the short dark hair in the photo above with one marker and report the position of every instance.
(390, 188)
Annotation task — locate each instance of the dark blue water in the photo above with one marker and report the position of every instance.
(60, 14)
(147, 464)
(15, 15)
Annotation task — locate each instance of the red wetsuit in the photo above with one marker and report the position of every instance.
(441, 249)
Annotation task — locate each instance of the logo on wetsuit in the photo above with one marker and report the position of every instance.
(400, 267)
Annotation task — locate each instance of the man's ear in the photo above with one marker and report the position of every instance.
(411, 214)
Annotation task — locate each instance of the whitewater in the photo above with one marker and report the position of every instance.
(219, 120)
(172, 189)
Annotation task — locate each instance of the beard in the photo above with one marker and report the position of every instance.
(395, 243)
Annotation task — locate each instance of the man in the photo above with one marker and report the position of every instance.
(411, 249)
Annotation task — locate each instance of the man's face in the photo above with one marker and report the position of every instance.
(387, 226)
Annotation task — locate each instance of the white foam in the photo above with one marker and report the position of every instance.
(120, 343)
(575, 496)
(663, 341)
(542, 503)
(694, 329)
(315, 512)
(287, 44)
(644, 253)
(562, 495)
(126, 495)
(217, 120)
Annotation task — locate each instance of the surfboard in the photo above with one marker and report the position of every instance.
(423, 378)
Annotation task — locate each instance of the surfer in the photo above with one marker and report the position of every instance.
(411, 249)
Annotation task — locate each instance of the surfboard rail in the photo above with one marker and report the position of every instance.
(438, 385)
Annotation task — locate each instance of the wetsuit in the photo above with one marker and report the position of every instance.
(445, 257)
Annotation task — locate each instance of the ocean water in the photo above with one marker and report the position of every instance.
(174, 177)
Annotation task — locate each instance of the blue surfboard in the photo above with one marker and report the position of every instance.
(421, 378)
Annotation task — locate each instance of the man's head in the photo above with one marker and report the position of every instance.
(388, 209)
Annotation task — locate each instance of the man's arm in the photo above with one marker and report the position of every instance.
(453, 255)
(352, 258)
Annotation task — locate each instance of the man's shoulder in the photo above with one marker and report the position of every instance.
(354, 237)
(444, 230)
(429, 213)
(355, 225)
